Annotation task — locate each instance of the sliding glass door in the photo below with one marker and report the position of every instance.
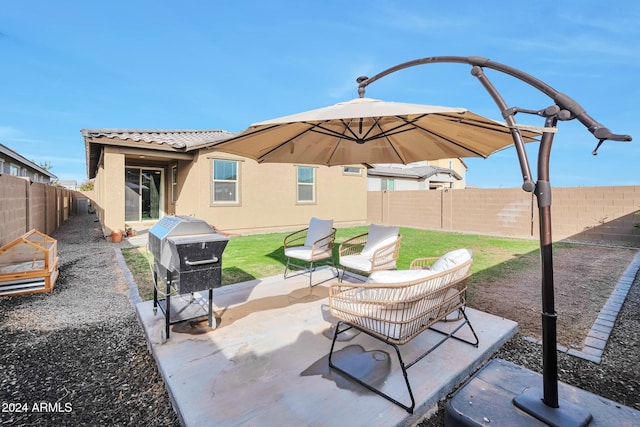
(143, 194)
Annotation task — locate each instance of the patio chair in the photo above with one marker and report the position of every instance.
(310, 245)
(376, 250)
(396, 306)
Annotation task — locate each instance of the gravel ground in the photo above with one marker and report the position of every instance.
(78, 356)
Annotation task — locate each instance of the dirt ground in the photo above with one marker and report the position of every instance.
(584, 276)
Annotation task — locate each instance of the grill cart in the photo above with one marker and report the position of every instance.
(187, 258)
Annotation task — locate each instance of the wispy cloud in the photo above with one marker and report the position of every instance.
(587, 46)
(406, 19)
(7, 132)
(623, 24)
(347, 74)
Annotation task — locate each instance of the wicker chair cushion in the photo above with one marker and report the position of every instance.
(378, 237)
(406, 293)
(305, 253)
(451, 259)
(356, 262)
(398, 276)
(318, 228)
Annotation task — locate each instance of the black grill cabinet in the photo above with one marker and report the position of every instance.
(187, 257)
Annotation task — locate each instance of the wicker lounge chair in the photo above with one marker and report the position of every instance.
(396, 306)
(310, 245)
(376, 250)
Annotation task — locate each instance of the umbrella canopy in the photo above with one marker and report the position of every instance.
(366, 130)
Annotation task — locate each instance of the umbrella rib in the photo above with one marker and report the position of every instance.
(386, 136)
(470, 122)
(452, 142)
(261, 158)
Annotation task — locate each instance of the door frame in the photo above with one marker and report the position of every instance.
(161, 194)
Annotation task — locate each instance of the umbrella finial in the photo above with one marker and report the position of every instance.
(360, 80)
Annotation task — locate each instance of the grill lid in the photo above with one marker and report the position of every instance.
(197, 250)
(179, 230)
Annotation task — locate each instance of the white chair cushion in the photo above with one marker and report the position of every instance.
(398, 276)
(318, 228)
(305, 252)
(378, 237)
(401, 276)
(356, 262)
(451, 259)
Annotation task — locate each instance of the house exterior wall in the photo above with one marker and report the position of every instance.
(455, 164)
(606, 214)
(109, 186)
(99, 184)
(15, 165)
(374, 182)
(268, 196)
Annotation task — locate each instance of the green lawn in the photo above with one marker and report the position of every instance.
(251, 257)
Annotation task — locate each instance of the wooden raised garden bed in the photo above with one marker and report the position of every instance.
(28, 264)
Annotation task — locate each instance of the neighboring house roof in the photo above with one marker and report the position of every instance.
(151, 139)
(20, 159)
(68, 183)
(417, 172)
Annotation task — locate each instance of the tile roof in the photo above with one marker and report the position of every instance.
(179, 139)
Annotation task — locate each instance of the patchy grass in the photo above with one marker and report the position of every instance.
(139, 262)
(249, 257)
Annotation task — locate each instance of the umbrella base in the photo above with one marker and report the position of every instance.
(567, 414)
(487, 398)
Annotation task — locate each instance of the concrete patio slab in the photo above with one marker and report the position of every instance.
(265, 361)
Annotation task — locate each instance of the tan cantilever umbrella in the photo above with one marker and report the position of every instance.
(370, 131)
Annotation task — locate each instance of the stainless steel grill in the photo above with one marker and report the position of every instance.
(187, 257)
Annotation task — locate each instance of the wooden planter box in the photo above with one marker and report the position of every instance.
(29, 264)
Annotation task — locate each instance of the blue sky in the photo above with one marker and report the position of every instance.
(68, 65)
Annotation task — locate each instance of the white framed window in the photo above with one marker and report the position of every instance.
(174, 183)
(14, 170)
(387, 184)
(306, 192)
(225, 180)
(1, 166)
(351, 170)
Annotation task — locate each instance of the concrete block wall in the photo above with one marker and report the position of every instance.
(604, 214)
(38, 207)
(13, 207)
(25, 206)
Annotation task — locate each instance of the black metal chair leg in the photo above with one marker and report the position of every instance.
(407, 408)
(447, 336)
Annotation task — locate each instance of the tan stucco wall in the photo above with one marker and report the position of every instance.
(268, 196)
(109, 190)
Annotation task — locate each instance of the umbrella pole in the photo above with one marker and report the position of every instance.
(549, 409)
(549, 316)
